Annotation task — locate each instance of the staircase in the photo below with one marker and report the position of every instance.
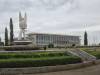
(82, 54)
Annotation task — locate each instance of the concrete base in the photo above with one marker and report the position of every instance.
(22, 42)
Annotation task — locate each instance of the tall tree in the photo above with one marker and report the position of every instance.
(6, 37)
(0, 39)
(85, 39)
(11, 32)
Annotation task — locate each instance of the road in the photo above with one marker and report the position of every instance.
(93, 70)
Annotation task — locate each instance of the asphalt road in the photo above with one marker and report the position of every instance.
(93, 70)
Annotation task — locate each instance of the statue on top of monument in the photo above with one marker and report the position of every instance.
(22, 26)
(22, 21)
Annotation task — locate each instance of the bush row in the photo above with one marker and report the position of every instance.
(18, 63)
(96, 54)
(18, 48)
(31, 55)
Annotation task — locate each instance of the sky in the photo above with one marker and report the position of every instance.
(69, 17)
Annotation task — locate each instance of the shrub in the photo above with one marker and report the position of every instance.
(30, 55)
(96, 54)
(51, 45)
(15, 63)
(19, 48)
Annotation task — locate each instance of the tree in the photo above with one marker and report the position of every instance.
(50, 45)
(0, 39)
(99, 43)
(1, 43)
(73, 45)
(11, 32)
(45, 47)
(85, 39)
(6, 37)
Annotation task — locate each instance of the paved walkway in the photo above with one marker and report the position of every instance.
(93, 70)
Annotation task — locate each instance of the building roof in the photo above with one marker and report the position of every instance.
(50, 34)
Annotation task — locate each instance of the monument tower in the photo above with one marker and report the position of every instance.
(22, 40)
(22, 26)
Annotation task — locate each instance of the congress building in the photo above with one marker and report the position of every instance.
(57, 40)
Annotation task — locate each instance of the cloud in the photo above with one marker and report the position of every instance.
(53, 16)
(13, 5)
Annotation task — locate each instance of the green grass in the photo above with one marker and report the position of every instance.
(14, 60)
(92, 52)
(96, 54)
(32, 55)
(38, 62)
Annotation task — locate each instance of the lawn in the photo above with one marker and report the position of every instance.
(93, 51)
(32, 55)
(13, 60)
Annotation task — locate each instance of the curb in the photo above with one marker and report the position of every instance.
(34, 70)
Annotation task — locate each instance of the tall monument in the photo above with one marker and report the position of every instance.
(22, 40)
(22, 26)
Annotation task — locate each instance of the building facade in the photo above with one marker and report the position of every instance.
(42, 39)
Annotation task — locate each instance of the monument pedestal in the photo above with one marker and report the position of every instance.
(22, 42)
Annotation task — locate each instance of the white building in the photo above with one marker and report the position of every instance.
(42, 39)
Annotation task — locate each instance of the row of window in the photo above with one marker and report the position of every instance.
(56, 42)
(55, 37)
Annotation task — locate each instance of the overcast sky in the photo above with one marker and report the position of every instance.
(70, 17)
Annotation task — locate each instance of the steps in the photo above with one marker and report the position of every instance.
(82, 54)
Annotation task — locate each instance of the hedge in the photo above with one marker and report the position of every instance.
(30, 55)
(18, 63)
(94, 53)
(19, 48)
